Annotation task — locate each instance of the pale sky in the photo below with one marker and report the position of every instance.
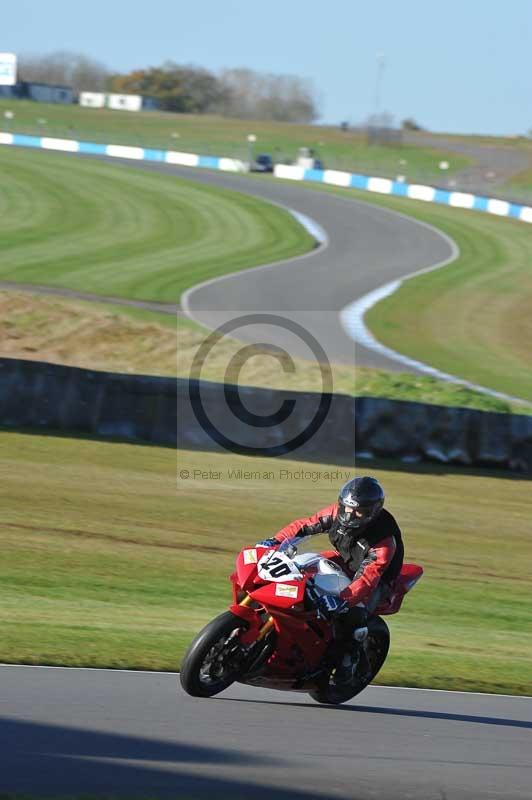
(457, 66)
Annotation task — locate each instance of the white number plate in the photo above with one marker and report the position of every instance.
(278, 567)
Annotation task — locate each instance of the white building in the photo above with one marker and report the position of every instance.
(92, 99)
(124, 102)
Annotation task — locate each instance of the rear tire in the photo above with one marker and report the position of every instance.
(378, 644)
(207, 669)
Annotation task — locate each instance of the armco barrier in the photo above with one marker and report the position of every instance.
(429, 194)
(141, 408)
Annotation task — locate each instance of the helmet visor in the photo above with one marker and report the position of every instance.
(354, 516)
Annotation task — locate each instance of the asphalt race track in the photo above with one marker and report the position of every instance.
(137, 735)
(367, 247)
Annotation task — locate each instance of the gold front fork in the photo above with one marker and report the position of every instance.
(268, 625)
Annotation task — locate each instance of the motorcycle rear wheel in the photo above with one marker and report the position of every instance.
(207, 668)
(378, 644)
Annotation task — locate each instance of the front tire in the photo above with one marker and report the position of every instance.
(209, 664)
(377, 646)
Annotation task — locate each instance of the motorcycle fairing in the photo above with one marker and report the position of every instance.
(280, 595)
(246, 564)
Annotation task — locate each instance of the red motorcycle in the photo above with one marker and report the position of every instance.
(275, 636)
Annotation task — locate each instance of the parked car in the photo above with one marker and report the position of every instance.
(262, 163)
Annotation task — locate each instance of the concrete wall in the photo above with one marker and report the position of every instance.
(49, 396)
(158, 410)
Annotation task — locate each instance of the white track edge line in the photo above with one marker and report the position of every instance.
(159, 672)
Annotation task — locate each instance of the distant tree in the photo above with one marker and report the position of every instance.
(66, 69)
(410, 124)
(255, 95)
(185, 89)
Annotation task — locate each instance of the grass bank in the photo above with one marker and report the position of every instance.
(117, 339)
(105, 563)
(221, 136)
(113, 230)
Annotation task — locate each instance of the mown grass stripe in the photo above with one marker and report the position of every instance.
(106, 229)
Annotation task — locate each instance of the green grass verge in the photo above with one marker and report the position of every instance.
(220, 136)
(105, 563)
(472, 318)
(113, 230)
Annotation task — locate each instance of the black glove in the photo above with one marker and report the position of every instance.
(331, 604)
(268, 543)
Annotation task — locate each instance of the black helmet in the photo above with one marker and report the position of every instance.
(359, 502)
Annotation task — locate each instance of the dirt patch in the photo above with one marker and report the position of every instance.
(60, 331)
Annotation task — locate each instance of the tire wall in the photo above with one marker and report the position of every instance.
(158, 410)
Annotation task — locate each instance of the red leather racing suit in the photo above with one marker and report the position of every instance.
(383, 555)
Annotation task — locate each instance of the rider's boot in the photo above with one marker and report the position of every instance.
(355, 662)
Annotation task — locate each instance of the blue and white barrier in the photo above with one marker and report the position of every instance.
(124, 151)
(332, 177)
(429, 194)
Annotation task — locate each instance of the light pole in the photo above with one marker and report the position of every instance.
(378, 82)
(251, 139)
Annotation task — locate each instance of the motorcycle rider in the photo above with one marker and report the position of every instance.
(368, 546)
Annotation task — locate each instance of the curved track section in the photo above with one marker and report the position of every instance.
(367, 247)
(130, 734)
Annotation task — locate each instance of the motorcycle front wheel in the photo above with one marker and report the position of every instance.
(211, 662)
